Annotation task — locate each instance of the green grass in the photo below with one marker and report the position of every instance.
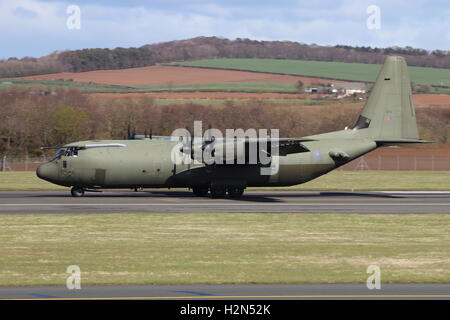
(226, 87)
(223, 248)
(25, 180)
(378, 180)
(274, 87)
(336, 70)
(50, 85)
(335, 180)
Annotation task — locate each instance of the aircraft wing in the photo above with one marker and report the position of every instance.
(226, 150)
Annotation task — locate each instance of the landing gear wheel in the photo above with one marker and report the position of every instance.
(235, 192)
(200, 192)
(218, 192)
(77, 192)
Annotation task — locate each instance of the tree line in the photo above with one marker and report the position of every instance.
(212, 47)
(29, 120)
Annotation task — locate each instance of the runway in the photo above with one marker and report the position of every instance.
(281, 202)
(234, 292)
(41, 202)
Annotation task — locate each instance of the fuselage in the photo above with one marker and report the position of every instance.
(147, 163)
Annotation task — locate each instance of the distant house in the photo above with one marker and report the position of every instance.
(311, 90)
(348, 88)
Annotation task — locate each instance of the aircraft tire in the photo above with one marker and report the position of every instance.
(200, 192)
(235, 192)
(218, 192)
(77, 192)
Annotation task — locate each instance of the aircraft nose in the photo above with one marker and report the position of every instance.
(47, 171)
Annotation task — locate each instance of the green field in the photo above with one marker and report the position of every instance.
(223, 248)
(49, 85)
(335, 70)
(335, 180)
(276, 87)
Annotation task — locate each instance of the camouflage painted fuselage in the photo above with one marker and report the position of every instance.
(147, 163)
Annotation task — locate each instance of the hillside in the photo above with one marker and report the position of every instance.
(211, 47)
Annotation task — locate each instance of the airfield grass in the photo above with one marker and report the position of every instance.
(335, 180)
(218, 248)
(24, 180)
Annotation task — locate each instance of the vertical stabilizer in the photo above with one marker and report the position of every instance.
(389, 113)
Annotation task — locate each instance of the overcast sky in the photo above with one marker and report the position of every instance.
(39, 27)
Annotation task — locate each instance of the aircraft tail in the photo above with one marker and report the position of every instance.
(389, 114)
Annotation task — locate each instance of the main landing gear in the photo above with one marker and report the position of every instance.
(219, 192)
(235, 192)
(200, 192)
(77, 192)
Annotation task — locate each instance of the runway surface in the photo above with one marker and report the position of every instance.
(19, 202)
(40, 202)
(221, 292)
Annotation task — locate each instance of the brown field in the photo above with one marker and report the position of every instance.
(164, 75)
(432, 99)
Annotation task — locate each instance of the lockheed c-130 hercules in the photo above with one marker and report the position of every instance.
(388, 118)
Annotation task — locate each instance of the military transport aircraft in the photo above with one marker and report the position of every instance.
(388, 118)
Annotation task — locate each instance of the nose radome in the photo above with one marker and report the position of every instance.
(47, 171)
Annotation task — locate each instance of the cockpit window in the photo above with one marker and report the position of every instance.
(58, 154)
(71, 152)
(67, 152)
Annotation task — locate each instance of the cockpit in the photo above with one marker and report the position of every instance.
(72, 151)
(67, 152)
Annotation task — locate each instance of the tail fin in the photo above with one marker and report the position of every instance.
(389, 114)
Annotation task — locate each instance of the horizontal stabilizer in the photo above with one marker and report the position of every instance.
(400, 141)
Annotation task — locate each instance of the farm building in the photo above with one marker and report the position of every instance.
(348, 88)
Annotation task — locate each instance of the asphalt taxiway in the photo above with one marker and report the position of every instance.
(234, 292)
(38, 202)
